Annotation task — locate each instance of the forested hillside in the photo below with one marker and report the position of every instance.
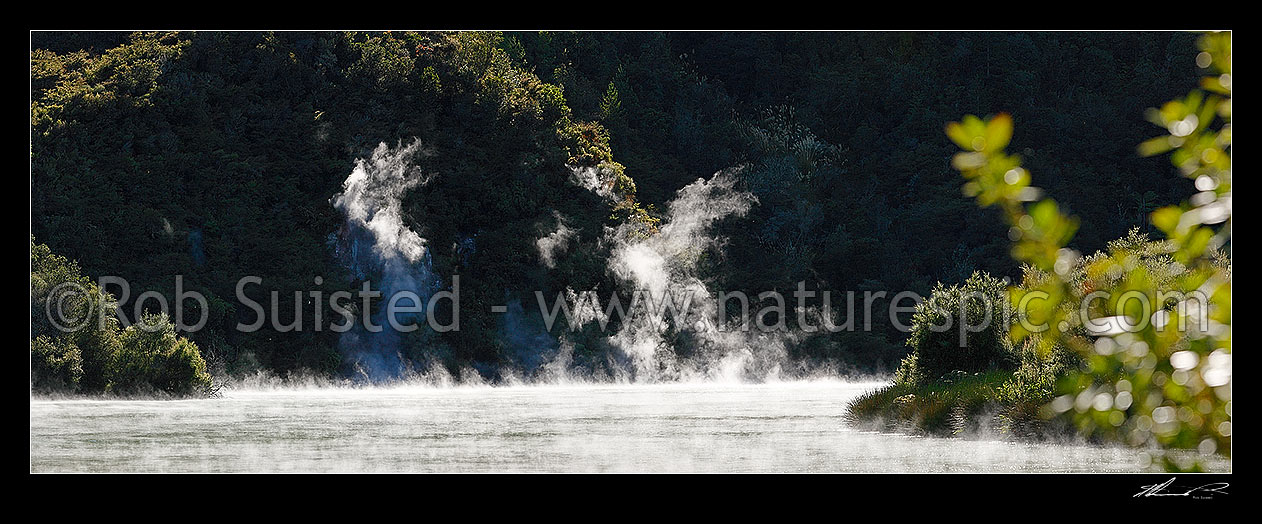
(219, 155)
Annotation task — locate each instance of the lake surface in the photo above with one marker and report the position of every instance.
(785, 427)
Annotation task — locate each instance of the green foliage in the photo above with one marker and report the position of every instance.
(122, 77)
(552, 102)
(431, 83)
(227, 167)
(77, 346)
(1039, 229)
(610, 105)
(1162, 377)
(153, 357)
(909, 371)
(56, 365)
(58, 290)
(587, 143)
(959, 328)
(385, 64)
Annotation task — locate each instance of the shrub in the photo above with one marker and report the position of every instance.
(943, 337)
(552, 100)
(153, 357)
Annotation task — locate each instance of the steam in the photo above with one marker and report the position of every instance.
(668, 259)
(556, 242)
(671, 330)
(671, 306)
(378, 243)
(599, 180)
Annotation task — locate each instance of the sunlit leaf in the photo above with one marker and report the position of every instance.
(1167, 219)
(998, 132)
(1212, 84)
(1155, 146)
(959, 135)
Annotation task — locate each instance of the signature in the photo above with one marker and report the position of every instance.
(1201, 492)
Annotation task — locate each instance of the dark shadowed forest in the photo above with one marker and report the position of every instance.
(216, 155)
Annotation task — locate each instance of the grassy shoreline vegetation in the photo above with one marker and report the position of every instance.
(1156, 377)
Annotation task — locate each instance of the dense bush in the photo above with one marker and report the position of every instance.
(960, 328)
(84, 351)
(58, 288)
(215, 155)
(153, 357)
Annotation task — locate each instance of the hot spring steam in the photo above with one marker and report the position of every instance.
(380, 245)
(659, 272)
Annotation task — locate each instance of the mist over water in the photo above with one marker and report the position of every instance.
(679, 427)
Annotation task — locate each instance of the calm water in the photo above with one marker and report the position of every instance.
(794, 427)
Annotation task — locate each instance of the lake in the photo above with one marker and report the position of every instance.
(778, 427)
